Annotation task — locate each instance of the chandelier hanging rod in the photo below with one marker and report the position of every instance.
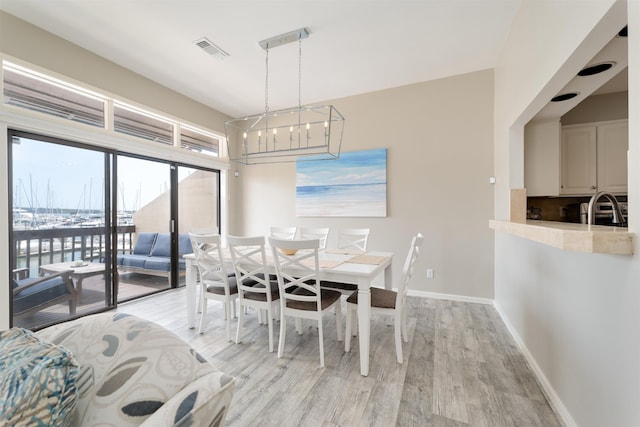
(291, 36)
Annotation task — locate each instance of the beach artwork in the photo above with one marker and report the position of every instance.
(355, 185)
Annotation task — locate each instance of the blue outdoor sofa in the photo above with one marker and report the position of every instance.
(152, 254)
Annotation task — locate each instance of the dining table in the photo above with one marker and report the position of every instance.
(336, 265)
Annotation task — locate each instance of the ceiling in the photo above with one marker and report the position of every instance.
(612, 80)
(354, 46)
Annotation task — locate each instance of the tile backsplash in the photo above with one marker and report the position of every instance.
(565, 209)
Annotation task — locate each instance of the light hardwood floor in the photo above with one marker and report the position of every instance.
(462, 368)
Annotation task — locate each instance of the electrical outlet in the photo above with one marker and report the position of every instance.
(430, 273)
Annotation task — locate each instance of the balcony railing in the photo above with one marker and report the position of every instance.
(34, 248)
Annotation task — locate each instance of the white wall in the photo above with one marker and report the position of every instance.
(576, 314)
(438, 136)
(599, 108)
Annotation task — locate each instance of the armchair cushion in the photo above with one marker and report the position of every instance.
(132, 260)
(135, 371)
(184, 244)
(158, 263)
(162, 246)
(37, 380)
(145, 243)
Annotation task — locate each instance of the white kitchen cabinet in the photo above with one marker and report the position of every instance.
(613, 143)
(542, 158)
(579, 165)
(594, 158)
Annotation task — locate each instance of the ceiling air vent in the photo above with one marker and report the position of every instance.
(213, 50)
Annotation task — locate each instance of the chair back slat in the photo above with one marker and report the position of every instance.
(353, 238)
(249, 260)
(208, 252)
(407, 270)
(315, 233)
(285, 233)
(299, 270)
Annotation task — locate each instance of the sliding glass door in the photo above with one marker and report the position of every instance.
(144, 213)
(60, 246)
(198, 200)
(92, 227)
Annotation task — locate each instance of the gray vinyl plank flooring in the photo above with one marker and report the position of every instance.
(461, 368)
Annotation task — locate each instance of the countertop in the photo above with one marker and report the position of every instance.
(570, 236)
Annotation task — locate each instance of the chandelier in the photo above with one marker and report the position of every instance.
(304, 132)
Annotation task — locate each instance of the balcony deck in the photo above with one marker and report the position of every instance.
(92, 299)
(36, 248)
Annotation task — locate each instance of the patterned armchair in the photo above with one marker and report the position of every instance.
(134, 372)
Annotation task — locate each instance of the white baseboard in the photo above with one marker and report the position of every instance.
(450, 297)
(547, 389)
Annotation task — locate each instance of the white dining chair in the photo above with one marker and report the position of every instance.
(353, 238)
(301, 297)
(286, 233)
(254, 287)
(321, 234)
(388, 302)
(216, 284)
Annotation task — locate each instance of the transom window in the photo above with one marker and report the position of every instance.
(44, 94)
(138, 123)
(36, 92)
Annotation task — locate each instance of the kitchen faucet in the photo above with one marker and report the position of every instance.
(617, 213)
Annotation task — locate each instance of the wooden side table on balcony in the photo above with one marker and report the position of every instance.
(87, 269)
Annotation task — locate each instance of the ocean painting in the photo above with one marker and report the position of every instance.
(355, 185)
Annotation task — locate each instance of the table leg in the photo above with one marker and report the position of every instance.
(388, 278)
(79, 287)
(364, 324)
(388, 285)
(190, 283)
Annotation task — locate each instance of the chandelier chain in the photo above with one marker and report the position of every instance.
(266, 83)
(299, 72)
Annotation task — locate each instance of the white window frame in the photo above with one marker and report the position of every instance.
(107, 137)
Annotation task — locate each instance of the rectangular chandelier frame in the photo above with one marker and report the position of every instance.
(297, 133)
